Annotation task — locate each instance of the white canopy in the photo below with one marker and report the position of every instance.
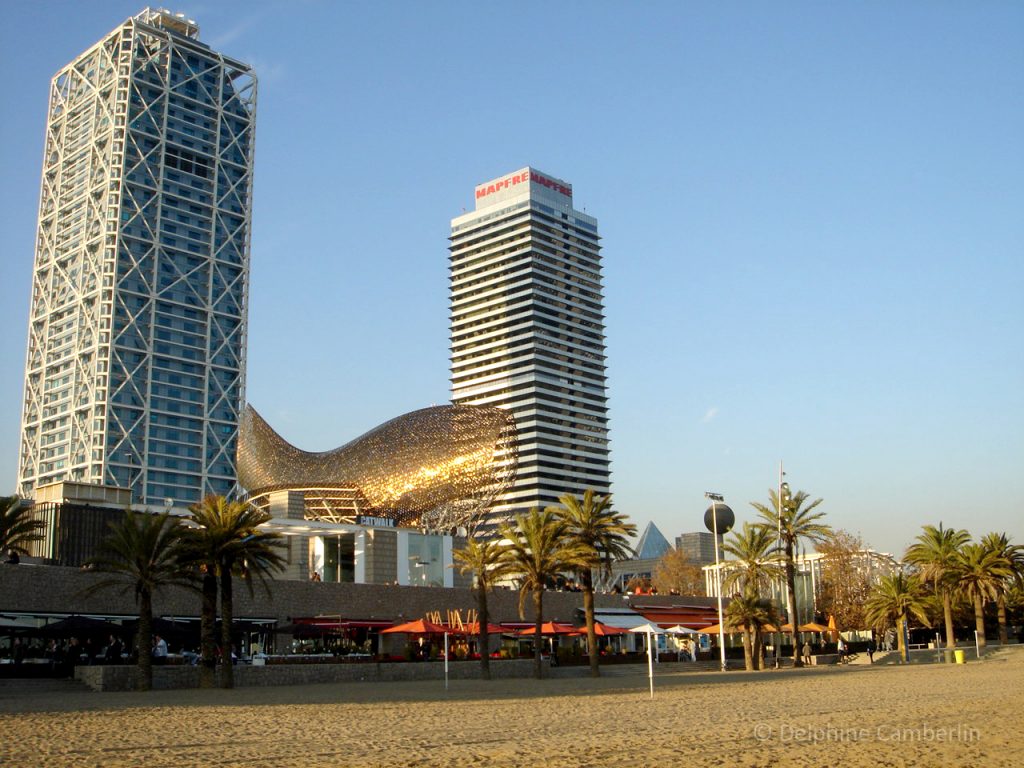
(679, 629)
(648, 629)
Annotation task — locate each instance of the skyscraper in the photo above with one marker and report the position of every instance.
(135, 369)
(527, 332)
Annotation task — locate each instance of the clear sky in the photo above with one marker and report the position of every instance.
(812, 219)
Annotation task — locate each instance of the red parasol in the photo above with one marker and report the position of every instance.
(418, 627)
(550, 628)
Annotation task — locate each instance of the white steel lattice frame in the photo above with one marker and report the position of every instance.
(105, 287)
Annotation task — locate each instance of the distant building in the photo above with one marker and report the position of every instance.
(134, 376)
(698, 546)
(808, 578)
(527, 333)
(650, 548)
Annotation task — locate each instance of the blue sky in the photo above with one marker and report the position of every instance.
(812, 219)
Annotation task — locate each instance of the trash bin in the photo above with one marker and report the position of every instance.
(959, 656)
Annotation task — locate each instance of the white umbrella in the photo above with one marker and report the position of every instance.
(650, 630)
(679, 629)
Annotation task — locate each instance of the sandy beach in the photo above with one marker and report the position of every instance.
(881, 715)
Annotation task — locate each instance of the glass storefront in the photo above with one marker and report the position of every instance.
(426, 567)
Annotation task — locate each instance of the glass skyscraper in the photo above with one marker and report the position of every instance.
(527, 332)
(135, 370)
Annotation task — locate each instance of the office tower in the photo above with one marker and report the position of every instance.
(136, 345)
(698, 546)
(527, 333)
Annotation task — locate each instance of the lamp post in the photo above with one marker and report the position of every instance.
(719, 519)
(784, 591)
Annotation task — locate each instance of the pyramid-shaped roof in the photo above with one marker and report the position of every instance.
(652, 544)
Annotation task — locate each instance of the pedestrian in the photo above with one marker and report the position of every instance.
(841, 648)
(114, 649)
(807, 653)
(871, 651)
(159, 650)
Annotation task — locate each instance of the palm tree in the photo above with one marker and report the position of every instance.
(793, 522)
(601, 536)
(17, 527)
(757, 564)
(979, 574)
(534, 551)
(936, 554)
(1013, 554)
(142, 554)
(751, 613)
(484, 559)
(893, 599)
(228, 543)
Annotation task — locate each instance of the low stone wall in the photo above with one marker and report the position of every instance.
(124, 678)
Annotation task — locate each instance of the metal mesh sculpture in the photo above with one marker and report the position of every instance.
(437, 468)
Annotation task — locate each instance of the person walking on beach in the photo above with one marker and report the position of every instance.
(841, 648)
(871, 651)
(807, 653)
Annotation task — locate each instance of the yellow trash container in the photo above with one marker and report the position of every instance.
(959, 656)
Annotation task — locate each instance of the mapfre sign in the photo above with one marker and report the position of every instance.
(521, 178)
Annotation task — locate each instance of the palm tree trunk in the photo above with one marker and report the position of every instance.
(538, 606)
(748, 654)
(483, 639)
(227, 609)
(207, 631)
(979, 619)
(899, 639)
(791, 602)
(947, 613)
(144, 639)
(756, 649)
(588, 612)
(1001, 613)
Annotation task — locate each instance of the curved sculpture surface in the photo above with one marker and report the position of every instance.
(436, 468)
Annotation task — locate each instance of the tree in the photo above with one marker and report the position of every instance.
(757, 560)
(756, 566)
(751, 613)
(226, 542)
(978, 574)
(484, 558)
(598, 536)
(534, 552)
(141, 554)
(844, 585)
(793, 523)
(1013, 554)
(675, 574)
(936, 554)
(18, 528)
(893, 599)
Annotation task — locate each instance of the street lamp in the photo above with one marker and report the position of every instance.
(719, 519)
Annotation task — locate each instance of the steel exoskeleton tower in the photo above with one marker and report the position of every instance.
(136, 346)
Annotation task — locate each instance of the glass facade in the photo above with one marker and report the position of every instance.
(136, 349)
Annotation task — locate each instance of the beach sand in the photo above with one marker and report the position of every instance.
(881, 715)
